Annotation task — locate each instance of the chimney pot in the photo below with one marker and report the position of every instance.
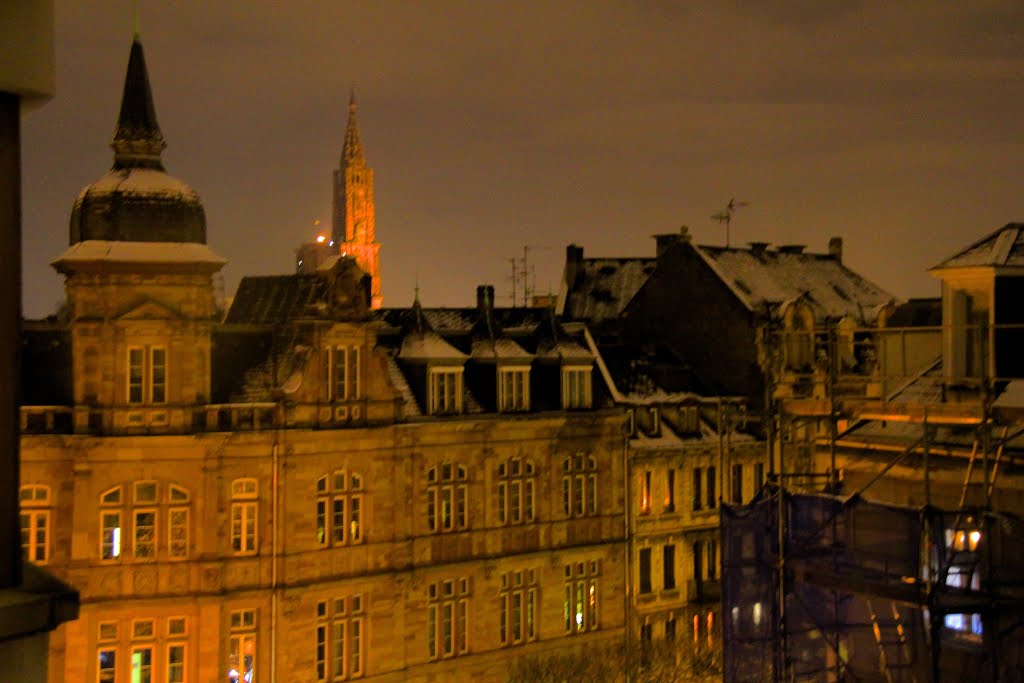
(835, 248)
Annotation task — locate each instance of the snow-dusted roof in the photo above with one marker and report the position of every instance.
(772, 277)
(500, 349)
(140, 181)
(1004, 247)
(428, 345)
(139, 252)
(604, 286)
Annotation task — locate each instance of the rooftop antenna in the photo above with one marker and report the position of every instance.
(725, 215)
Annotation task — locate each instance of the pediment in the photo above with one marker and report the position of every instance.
(148, 309)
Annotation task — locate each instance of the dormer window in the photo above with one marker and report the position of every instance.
(514, 389)
(445, 391)
(147, 374)
(576, 386)
(343, 373)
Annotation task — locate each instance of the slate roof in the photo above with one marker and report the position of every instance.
(772, 277)
(273, 299)
(604, 286)
(1004, 247)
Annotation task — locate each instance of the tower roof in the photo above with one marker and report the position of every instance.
(353, 149)
(136, 201)
(137, 141)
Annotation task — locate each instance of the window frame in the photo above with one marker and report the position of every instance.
(438, 400)
(33, 509)
(513, 388)
(349, 493)
(152, 382)
(447, 498)
(579, 486)
(448, 618)
(577, 386)
(520, 584)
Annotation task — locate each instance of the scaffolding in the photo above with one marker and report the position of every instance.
(824, 581)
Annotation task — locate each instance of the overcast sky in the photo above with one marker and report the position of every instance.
(493, 125)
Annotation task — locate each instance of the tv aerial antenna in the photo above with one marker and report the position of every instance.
(725, 215)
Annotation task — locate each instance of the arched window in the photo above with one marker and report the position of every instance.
(339, 509)
(159, 513)
(446, 497)
(35, 523)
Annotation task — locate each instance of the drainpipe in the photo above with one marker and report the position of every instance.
(275, 456)
(627, 523)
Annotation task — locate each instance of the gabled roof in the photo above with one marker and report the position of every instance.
(604, 286)
(1004, 247)
(767, 277)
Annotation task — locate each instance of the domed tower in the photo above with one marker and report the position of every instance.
(139, 283)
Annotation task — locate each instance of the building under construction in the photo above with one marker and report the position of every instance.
(889, 542)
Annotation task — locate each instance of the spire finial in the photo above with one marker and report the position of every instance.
(353, 150)
(416, 289)
(136, 28)
(137, 141)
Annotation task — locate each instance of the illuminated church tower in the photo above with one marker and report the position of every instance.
(353, 221)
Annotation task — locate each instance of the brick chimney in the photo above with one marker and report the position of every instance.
(758, 248)
(573, 261)
(663, 243)
(484, 298)
(835, 248)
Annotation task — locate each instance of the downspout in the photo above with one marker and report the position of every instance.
(275, 456)
(627, 519)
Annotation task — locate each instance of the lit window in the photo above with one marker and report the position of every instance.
(35, 523)
(106, 667)
(579, 485)
(446, 498)
(645, 492)
(242, 647)
(445, 391)
(518, 607)
(244, 506)
(151, 512)
(340, 643)
(110, 524)
(447, 618)
(515, 491)
(670, 491)
(147, 374)
(576, 386)
(339, 509)
(513, 389)
(580, 604)
(142, 664)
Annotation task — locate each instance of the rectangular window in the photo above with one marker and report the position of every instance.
(445, 391)
(142, 664)
(145, 534)
(698, 562)
(670, 490)
(243, 527)
(447, 619)
(698, 483)
(513, 389)
(645, 570)
(576, 387)
(580, 606)
(147, 374)
(339, 373)
(177, 541)
(737, 484)
(712, 501)
(354, 372)
(242, 645)
(110, 543)
(107, 666)
(645, 492)
(712, 546)
(758, 476)
(176, 663)
(669, 567)
(35, 535)
(339, 638)
(517, 605)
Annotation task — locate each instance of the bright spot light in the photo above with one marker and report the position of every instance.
(331, 243)
(320, 239)
(757, 614)
(975, 537)
(116, 541)
(579, 619)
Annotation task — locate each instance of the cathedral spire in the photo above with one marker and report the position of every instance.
(353, 150)
(137, 141)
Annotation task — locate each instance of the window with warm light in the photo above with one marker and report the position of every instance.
(159, 515)
(147, 374)
(670, 490)
(35, 506)
(339, 509)
(448, 618)
(340, 641)
(580, 604)
(446, 498)
(516, 485)
(518, 603)
(645, 492)
(242, 646)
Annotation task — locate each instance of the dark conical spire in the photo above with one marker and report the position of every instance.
(137, 141)
(353, 150)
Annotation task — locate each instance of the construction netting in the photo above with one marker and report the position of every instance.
(872, 592)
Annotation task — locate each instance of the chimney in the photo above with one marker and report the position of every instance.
(662, 243)
(835, 248)
(484, 298)
(791, 248)
(573, 260)
(758, 248)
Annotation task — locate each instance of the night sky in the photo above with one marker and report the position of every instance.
(492, 125)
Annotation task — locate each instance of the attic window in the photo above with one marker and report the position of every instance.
(842, 295)
(743, 287)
